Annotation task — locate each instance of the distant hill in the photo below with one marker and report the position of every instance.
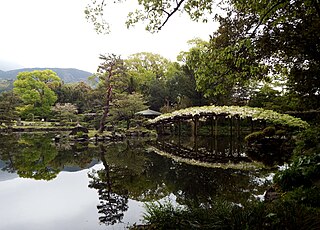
(68, 75)
(6, 85)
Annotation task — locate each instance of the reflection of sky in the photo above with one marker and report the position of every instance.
(65, 202)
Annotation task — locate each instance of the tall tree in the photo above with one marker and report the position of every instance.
(36, 91)
(149, 74)
(109, 72)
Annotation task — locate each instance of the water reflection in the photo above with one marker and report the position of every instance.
(129, 173)
(220, 149)
(113, 203)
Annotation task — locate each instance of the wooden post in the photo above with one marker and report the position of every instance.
(216, 127)
(251, 121)
(212, 131)
(238, 126)
(179, 128)
(196, 121)
(231, 126)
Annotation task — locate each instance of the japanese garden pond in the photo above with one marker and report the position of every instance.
(48, 185)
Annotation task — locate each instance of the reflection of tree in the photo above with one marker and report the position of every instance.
(112, 205)
(8, 146)
(74, 154)
(35, 157)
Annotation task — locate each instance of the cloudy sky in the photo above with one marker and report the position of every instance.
(54, 33)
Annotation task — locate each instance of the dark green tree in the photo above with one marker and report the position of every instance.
(125, 106)
(8, 104)
(112, 80)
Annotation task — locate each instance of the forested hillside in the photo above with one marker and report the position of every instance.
(67, 75)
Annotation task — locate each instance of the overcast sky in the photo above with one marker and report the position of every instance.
(54, 33)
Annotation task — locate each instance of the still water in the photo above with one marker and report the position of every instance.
(48, 185)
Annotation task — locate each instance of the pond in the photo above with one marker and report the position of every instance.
(48, 185)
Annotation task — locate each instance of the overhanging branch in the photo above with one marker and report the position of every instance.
(179, 3)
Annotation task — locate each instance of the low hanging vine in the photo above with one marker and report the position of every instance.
(230, 111)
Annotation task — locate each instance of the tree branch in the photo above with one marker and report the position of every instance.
(171, 13)
(264, 16)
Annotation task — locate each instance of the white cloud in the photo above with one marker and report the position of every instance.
(54, 33)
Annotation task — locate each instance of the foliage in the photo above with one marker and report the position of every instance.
(79, 94)
(112, 79)
(242, 112)
(305, 167)
(36, 91)
(222, 215)
(308, 142)
(253, 137)
(65, 111)
(256, 136)
(156, 13)
(8, 103)
(303, 171)
(225, 66)
(35, 158)
(269, 131)
(126, 105)
(255, 40)
(6, 85)
(149, 74)
(287, 36)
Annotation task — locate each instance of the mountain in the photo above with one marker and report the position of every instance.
(68, 75)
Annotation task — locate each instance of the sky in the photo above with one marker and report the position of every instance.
(55, 33)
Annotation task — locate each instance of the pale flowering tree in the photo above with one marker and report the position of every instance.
(65, 111)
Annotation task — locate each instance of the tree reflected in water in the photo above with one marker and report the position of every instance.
(36, 156)
(131, 170)
(112, 205)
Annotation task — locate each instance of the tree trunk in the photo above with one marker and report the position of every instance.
(105, 111)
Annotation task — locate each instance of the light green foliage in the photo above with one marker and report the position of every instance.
(242, 112)
(35, 159)
(149, 74)
(36, 91)
(145, 67)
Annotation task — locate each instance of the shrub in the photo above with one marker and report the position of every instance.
(269, 131)
(253, 137)
(303, 171)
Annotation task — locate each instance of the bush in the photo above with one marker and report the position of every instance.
(308, 142)
(253, 137)
(269, 131)
(304, 171)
